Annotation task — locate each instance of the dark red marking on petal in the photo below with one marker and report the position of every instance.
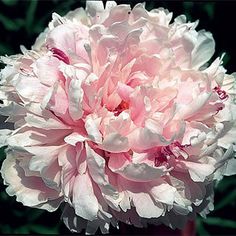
(189, 229)
(221, 93)
(219, 109)
(160, 159)
(121, 107)
(165, 152)
(60, 55)
(179, 145)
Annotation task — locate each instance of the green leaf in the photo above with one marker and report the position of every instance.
(150, 5)
(64, 7)
(18, 213)
(188, 6)
(201, 229)
(30, 15)
(35, 214)
(226, 183)
(2, 150)
(220, 222)
(41, 229)
(22, 230)
(6, 229)
(10, 3)
(3, 196)
(40, 25)
(228, 199)
(20, 22)
(9, 24)
(209, 8)
(226, 59)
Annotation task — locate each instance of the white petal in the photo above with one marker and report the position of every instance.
(45, 122)
(4, 134)
(163, 192)
(140, 172)
(229, 138)
(203, 50)
(110, 5)
(73, 222)
(44, 150)
(96, 165)
(84, 199)
(114, 142)
(230, 167)
(199, 171)
(186, 111)
(76, 94)
(74, 138)
(93, 7)
(143, 138)
(29, 190)
(30, 89)
(145, 206)
(29, 136)
(91, 126)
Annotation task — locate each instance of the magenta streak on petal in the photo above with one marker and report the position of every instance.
(60, 55)
(219, 109)
(177, 143)
(121, 107)
(160, 159)
(222, 94)
(166, 152)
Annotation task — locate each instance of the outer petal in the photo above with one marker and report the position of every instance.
(75, 99)
(72, 221)
(203, 50)
(47, 71)
(96, 165)
(84, 199)
(230, 167)
(139, 172)
(31, 191)
(163, 192)
(3, 137)
(145, 206)
(34, 91)
(199, 171)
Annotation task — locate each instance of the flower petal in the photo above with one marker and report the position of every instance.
(84, 199)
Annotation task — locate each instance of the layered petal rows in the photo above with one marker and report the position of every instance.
(116, 115)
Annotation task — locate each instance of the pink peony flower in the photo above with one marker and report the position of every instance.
(117, 115)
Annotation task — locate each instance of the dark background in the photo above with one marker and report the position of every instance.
(21, 22)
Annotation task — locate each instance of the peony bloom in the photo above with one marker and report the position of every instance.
(118, 118)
